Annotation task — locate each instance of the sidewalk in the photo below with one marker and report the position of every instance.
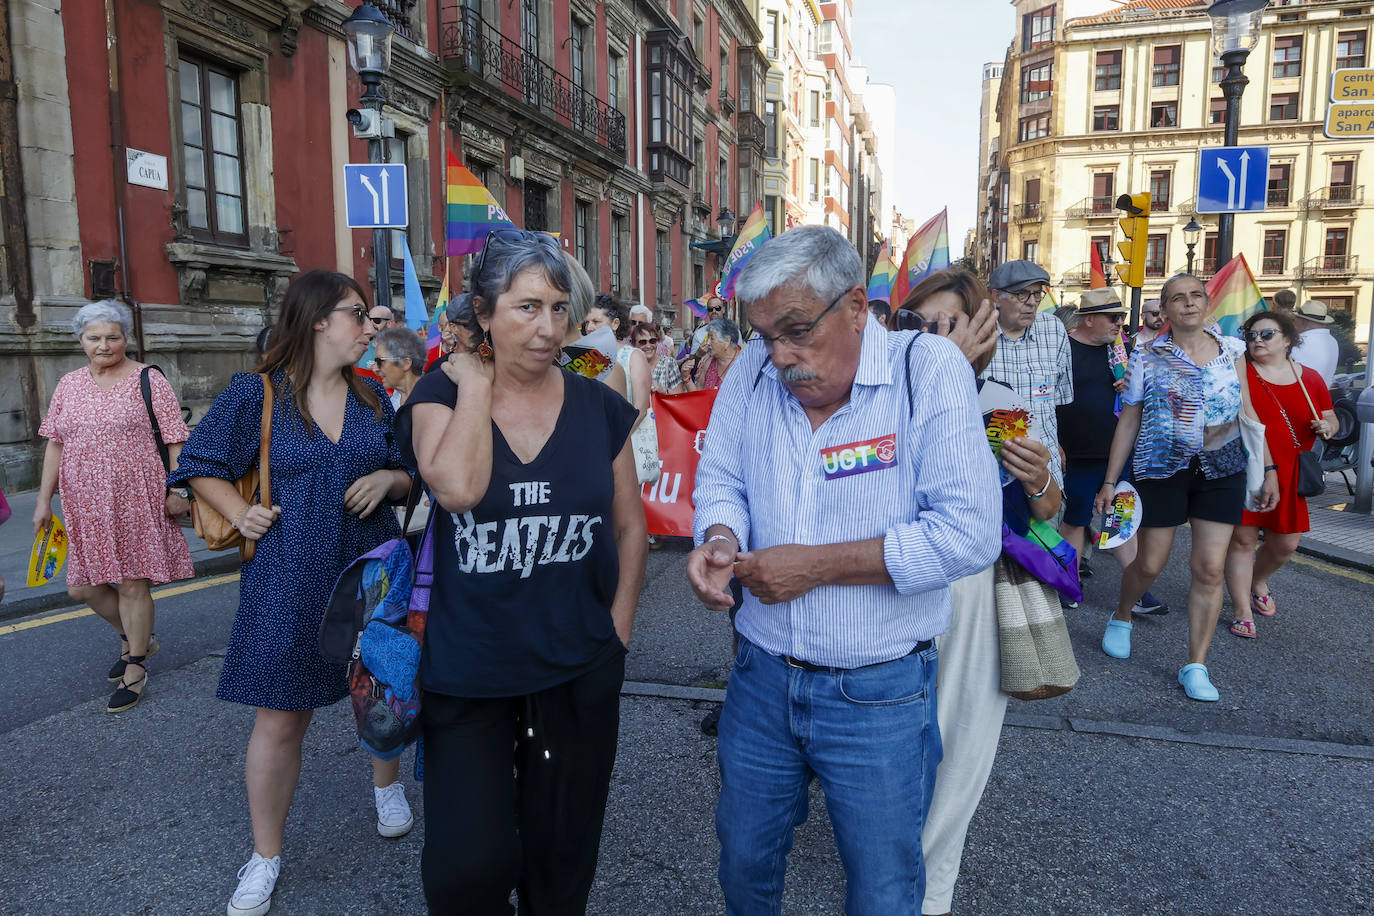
(1340, 537)
(16, 542)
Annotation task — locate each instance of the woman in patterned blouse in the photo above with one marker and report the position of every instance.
(1180, 417)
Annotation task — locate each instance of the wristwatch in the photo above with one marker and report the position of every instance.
(183, 492)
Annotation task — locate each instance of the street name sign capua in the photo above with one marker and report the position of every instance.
(1353, 84)
(375, 195)
(146, 169)
(1349, 121)
(1233, 179)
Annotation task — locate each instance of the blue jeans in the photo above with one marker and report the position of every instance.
(869, 735)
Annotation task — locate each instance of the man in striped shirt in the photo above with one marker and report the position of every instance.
(845, 481)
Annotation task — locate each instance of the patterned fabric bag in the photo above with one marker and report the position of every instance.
(375, 622)
(1037, 654)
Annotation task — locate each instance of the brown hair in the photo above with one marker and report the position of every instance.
(311, 298)
(1287, 327)
(970, 290)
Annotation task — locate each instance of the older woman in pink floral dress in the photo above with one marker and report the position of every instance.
(102, 456)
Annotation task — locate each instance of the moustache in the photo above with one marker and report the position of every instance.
(793, 375)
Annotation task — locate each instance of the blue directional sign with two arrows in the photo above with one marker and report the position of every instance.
(375, 196)
(1232, 179)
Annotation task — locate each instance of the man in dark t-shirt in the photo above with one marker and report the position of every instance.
(1086, 424)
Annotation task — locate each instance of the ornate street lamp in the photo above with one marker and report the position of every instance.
(369, 48)
(1191, 232)
(369, 53)
(1235, 32)
(725, 220)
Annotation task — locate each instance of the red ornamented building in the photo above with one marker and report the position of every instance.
(186, 156)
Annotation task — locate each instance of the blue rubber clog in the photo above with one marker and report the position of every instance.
(1116, 642)
(1197, 684)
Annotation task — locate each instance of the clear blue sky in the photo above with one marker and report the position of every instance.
(932, 52)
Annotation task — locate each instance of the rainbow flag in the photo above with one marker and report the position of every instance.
(1047, 302)
(470, 212)
(434, 341)
(749, 240)
(1234, 296)
(1097, 277)
(416, 313)
(697, 308)
(927, 252)
(884, 272)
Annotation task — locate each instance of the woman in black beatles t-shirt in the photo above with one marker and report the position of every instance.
(539, 556)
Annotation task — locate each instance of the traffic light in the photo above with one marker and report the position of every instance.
(1136, 227)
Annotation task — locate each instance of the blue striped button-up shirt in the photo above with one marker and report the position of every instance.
(906, 459)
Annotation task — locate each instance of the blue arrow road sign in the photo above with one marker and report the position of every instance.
(375, 195)
(1232, 179)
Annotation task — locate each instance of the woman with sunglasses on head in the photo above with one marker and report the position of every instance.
(334, 464)
(634, 379)
(1294, 405)
(1180, 422)
(539, 558)
(970, 703)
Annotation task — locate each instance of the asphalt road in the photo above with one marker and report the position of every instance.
(1121, 797)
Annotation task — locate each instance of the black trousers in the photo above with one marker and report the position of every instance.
(504, 811)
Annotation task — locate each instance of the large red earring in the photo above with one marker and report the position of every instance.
(484, 350)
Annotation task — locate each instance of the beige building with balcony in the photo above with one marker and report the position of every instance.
(1095, 106)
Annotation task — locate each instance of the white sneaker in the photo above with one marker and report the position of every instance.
(256, 881)
(393, 812)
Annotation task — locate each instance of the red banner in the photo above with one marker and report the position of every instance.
(681, 421)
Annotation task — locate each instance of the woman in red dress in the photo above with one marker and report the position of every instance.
(1295, 407)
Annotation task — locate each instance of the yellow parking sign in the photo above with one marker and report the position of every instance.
(1349, 121)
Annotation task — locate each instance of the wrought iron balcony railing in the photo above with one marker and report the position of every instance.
(1093, 208)
(1337, 197)
(1279, 197)
(1026, 213)
(1329, 266)
(475, 46)
(1271, 265)
(1078, 276)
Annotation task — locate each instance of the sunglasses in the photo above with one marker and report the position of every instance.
(513, 237)
(1266, 335)
(379, 360)
(908, 320)
(359, 313)
(716, 308)
(377, 321)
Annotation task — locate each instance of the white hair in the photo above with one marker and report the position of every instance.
(106, 310)
(816, 257)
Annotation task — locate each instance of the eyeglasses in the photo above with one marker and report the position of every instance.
(798, 338)
(359, 313)
(1025, 296)
(1266, 335)
(512, 237)
(715, 308)
(379, 360)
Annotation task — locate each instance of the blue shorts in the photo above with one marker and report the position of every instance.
(1081, 483)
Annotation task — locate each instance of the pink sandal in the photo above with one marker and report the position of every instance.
(1263, 605)
(1243, 628)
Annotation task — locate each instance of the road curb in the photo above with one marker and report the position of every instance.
(26, 607)
(1336, 555)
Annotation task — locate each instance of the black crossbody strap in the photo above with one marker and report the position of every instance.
(146, 386)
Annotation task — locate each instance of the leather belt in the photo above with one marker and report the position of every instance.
(808, 666)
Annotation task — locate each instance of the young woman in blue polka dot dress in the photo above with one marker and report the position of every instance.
(334, 465)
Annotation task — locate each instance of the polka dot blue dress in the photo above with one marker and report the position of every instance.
(273, 659)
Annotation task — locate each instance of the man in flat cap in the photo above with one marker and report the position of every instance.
(1087, 424)
(1032, 350)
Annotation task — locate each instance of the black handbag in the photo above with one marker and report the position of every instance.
(1311, 477)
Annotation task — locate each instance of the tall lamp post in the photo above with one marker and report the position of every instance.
(720, 247)
(1235, 31)
(369, 51)
(1191, 232)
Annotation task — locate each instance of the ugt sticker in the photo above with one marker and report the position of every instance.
(859, 457)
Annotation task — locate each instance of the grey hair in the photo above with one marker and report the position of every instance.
(111, 310)
(724, 329)
(816, 257)
(582, 296)
(502, 260)
(403, 343)
(1164, 290)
